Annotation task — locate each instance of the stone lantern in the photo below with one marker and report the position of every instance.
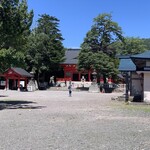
(94, 74)
(94, 87)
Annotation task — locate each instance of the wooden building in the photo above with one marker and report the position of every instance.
(138, 67)
(14, 79)
(142, 62)
(70, 67)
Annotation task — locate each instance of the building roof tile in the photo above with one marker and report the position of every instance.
(71, 56)
(126, 64)
(144, 55)
(22, 72)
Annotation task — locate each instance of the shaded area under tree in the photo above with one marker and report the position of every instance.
(18, 104)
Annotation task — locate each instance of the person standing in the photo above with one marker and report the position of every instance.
(70, 90)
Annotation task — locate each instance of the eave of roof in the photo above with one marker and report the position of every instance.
(71, 56)
(126, 65)
(22, 72)
(140, 59)
(144, 55)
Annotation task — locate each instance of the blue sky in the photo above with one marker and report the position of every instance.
(76, 16)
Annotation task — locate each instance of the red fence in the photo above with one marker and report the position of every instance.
(63, 79)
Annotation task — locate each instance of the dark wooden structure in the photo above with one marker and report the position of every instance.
(138, 68)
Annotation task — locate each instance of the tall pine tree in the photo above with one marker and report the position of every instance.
(45, 50)
(96, 50)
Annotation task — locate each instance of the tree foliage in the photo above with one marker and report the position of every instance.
(15, 22)
(10, 57)
(100, 61)
(97, 51)
(45, 50)
(146, 42)
(131, 46)
(104, 32)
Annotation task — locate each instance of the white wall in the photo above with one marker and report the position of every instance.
(146, 81)
(147, 87)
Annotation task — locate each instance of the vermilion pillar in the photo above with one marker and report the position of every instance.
(89, 75)
(101, 80)
(26, 80)
(79, 77)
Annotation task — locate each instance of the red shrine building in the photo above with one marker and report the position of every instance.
(14, 78)
(70, 67)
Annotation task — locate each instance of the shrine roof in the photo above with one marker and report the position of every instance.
(141, 59)
(144, 55)
(19, 71)
(126, 64)
(22, 72)
(71, 56)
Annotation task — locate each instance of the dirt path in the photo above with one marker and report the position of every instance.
(51, 120)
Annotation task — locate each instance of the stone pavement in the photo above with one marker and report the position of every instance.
(51, 120)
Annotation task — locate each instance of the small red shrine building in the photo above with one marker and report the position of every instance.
(70, 67)
(13, 79)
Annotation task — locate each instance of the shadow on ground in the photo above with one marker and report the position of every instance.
(10, 104)
(3, 96)
(83, 88)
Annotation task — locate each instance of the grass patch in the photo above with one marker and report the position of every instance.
(145, 108)
(132, 106)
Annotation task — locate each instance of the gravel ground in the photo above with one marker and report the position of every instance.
(51, 120)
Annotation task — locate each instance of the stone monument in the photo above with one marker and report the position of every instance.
(94, 87)
(32, 85)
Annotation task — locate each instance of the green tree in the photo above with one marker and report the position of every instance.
(146, 42)
(104, 64)
(132, 46)
(97, 50)
(45, 50)
(9, 58)
(104, 32)
(15, 22)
